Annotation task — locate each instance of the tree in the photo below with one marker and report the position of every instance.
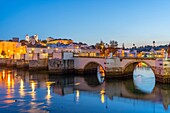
(3, 53)
(153, 43)
(100, 45)
(134, 46)
(113, 46)
(97, 46)
(44, 41)
(113, 43)
(123, 46)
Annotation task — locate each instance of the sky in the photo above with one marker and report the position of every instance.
(138, 22)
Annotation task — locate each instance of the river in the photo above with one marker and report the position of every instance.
(24, 91)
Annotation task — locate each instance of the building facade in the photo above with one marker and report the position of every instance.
(9, 48)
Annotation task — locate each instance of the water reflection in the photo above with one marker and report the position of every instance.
(77, 95)
(100, 74)
(102, 92)
(22, 93)
(35, 92)
(144, 80)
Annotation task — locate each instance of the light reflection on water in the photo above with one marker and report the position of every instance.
(21, 91)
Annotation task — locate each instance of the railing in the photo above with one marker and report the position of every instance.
(89, 56)
(149, 58)
(99, 56)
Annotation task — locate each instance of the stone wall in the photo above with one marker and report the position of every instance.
(55, 65)
(40, 64)
(3, 61)
(59, 65)
(22, 64)
(162, 74)
(11, 62)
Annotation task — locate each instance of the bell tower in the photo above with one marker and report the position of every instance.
(27, 38)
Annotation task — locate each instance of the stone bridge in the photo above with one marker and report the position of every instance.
(124, 67)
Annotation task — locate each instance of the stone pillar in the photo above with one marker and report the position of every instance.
(162, 74)
(162, 70)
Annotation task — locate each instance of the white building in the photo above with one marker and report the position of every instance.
(32, 39)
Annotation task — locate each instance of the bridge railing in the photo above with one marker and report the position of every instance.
(151, 58)
(88, 55)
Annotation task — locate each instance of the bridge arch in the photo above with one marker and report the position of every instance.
(93, 66)
(130, 66)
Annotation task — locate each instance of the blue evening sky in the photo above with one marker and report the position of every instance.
(129, 21)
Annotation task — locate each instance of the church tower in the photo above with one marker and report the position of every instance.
(27, 38)
(36, 37)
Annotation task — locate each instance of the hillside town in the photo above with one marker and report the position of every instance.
(32, 49)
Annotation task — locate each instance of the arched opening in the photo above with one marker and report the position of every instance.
(93, 66)
(96, 70)
(143, 76)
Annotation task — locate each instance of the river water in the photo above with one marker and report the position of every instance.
(23, 91)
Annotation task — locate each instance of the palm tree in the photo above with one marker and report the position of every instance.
(153, 43)
(134, 46)
(113, 43)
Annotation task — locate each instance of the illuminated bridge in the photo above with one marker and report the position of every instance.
(123, 67)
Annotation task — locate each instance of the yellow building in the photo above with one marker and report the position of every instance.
(62, 41)
(8, 48)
